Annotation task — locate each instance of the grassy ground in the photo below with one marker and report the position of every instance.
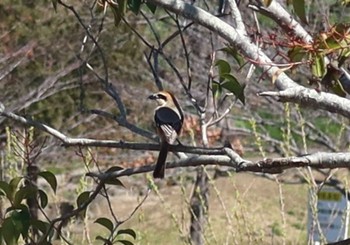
(243, 209)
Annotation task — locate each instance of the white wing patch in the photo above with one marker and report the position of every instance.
(169, 133)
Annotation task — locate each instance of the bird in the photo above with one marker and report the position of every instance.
(168, 118)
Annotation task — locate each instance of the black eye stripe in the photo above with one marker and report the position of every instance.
(160, 96)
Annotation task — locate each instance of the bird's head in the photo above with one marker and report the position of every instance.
(162, 98)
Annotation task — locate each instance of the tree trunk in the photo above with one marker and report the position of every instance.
(199, 208)
(32, 202)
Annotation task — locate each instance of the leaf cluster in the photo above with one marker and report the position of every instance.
(18, 221)
(326, 55)
(226, 80)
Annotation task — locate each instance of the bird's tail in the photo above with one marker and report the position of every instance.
(159, 170)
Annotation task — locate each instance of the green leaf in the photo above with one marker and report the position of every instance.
(128, 232)
(299, 9)
(223, 66)
(9, 231)
(134, 6)
(151, 7)
(43, 198)
(18, 207)
(114, 169)
(6, 189)
(332, 43)
(24, 193)
(14, 183)
(125, 242)
(234, 53)
(82, 198)
(216, 89)
(107, 223)
(296, 54)
(106, 241)
(345, 54)
(338, 88)
(42, 226)
(234, 87)
(21, 221)
(114, 181)
(318, 66)
(50, 179)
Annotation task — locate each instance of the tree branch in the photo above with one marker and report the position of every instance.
(256, 55)
(269, 165)
(285, 20)
(69, 141)
(236, 15)
(312, 98)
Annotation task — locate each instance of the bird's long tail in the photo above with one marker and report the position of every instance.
(161, 162)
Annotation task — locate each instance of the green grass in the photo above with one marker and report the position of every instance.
(277, 229)
(327, 126)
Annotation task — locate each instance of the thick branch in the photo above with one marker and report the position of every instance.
(316, 160)
(312, 98)
(285, 20)
(275, 165)
(236, 15)
(187, 162)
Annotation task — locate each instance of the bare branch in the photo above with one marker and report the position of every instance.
(68, 141)
(285, 20)
(15, 59)
(316, 160)
(192, 161)
(312, 98)
(187, 56)
(268, 165)
(236, 15)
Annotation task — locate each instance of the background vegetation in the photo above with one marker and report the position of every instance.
(85, 68)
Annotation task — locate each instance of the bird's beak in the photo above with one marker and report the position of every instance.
(152, 97)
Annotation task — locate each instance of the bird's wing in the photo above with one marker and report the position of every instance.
(169, 122)
(169, 133)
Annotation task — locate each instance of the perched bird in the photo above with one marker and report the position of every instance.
(168, 118)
